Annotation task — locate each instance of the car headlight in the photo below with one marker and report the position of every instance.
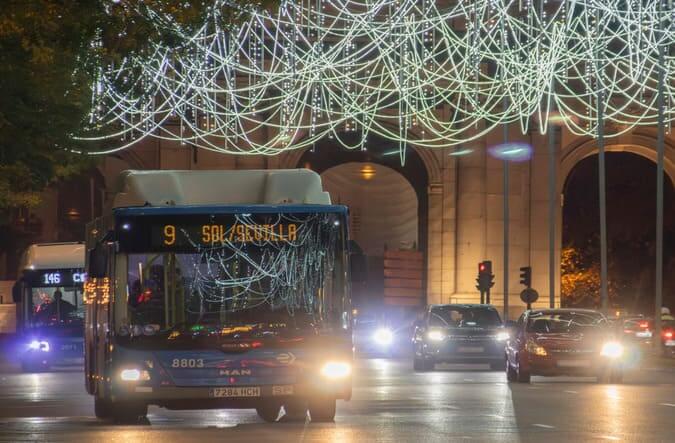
(534, 348)
(336, 369)
(134, 375)
(39, 345)
(612, 349)
(502, 336)
(383, 337)
(435, 335)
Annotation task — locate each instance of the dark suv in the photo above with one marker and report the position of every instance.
(457, 333)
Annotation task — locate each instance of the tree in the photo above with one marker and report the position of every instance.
(580, 279)
(46, 64)
(44, 96)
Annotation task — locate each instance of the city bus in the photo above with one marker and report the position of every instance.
(49, 306)
(219, 289)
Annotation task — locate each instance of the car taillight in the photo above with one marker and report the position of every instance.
(644, 325)
(668, 334)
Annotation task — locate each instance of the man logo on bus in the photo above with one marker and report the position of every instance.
(286, 358)
(232, 372)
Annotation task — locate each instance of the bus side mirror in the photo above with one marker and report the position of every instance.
(98, 262)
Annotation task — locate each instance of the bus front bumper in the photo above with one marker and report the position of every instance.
(178, 397)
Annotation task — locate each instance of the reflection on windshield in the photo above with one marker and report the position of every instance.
(566, 322)
(284, 285)
(56, 307)
(464, 318)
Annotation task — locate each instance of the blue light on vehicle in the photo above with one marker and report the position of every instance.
(39, 345)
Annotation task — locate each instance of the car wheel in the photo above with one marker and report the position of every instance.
(129, 412)
(522, 375)
(322, 410)
(102, 407)
(511, 374)
(268, 411)
(295, 410)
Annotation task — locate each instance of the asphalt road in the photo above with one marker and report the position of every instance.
(390, 404)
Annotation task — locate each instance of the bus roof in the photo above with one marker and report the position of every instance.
(53, 256)
(241, 187)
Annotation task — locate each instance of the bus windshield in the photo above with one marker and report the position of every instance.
(56, 306)
(259, 287)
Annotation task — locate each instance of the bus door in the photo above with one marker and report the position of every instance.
(96, 334)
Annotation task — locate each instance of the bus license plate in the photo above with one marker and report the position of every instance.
(236, 391)
(670, 343)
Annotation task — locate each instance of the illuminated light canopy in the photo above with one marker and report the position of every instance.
(414, 71)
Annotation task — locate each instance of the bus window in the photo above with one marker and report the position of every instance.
(54, 306)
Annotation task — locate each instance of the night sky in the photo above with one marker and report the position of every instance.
(631, 212)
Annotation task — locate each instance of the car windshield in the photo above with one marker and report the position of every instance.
(255, 288)
(464, 317)
(565, 322)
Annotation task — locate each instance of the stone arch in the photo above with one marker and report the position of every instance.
(641, 144)
(292, 158)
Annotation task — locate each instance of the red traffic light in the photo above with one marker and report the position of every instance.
(481, 267)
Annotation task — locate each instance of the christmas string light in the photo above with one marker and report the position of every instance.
(433, 74)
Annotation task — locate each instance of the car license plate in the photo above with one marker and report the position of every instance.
(68, 347)
(670, 342)
(236, 391)
(574, 363)
(471, 349)
(645, 334)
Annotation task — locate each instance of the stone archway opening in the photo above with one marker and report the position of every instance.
(390, 207)
(631, 212)
(383, 211)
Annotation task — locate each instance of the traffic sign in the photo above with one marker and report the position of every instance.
(529, 296)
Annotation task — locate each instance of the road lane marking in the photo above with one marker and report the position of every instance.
(572, 392)
(540, 425)
(610, 437)
(667, 404)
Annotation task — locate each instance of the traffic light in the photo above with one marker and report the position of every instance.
(485, 276)
(526, 276)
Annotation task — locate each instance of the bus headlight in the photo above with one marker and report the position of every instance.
(134, 375)
(39, 345)
(383, 337)
(336, 369)
(612, 349)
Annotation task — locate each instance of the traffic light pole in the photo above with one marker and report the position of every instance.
(659, 194)
(506, 219)
(600, 101)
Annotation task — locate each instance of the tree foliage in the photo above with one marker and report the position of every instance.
(47, 63)
(580, 279)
